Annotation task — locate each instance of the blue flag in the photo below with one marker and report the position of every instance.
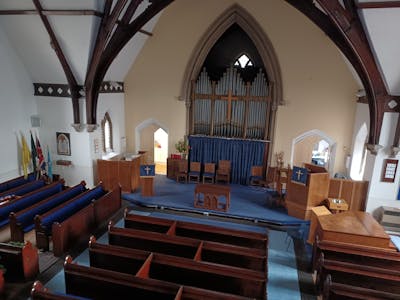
(49, 165)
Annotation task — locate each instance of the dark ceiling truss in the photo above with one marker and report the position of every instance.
(73, 85)
(380, 4)
(343, 26)
(112, 37)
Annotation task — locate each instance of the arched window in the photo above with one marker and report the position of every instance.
(243, 61)
(107, 137)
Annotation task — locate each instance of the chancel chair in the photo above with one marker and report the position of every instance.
(224, 171)
(209, 172)
(271, 178)
(257, 176)
(195, 170)
(182, 171)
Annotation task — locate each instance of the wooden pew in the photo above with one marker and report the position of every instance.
(101, 284)
(39, 292)
(198, 231)
(21, 261)
(179, 270)
(217, 252)
(29, 199)
(23, 221)
(75, 220)
(23, 189)
(380, 278)
(15, 182)
(340, 291)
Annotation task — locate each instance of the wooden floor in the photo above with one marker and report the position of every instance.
(161, 168)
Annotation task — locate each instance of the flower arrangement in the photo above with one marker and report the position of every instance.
(182, 146)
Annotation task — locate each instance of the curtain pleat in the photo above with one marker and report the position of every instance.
(243, 154)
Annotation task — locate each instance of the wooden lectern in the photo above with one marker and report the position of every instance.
(147, 173)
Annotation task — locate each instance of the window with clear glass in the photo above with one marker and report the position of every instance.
(243, 61)
(106, 125)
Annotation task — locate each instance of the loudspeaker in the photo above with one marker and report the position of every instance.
(35, 121)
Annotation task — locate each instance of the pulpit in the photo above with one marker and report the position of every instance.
(302, 196)
(119, 170)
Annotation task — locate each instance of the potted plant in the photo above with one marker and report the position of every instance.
(182, 147)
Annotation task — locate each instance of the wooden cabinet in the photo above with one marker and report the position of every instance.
(354, 192)
(172, 167)
(119, 171)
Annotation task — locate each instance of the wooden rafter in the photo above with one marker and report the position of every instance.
(74, 87)
(59, 12)
(112, 36)
(344, 28)
(380, 4)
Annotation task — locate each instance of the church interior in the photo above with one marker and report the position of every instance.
(182, 149)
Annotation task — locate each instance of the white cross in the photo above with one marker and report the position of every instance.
(147, 169)
(299, 173)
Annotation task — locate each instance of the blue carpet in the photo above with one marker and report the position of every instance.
(282, 271)
(247, 202)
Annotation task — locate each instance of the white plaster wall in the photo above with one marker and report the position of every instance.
(17, 105)
(57, 116)
(383, 193)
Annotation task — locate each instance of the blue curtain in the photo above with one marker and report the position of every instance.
(243, 154)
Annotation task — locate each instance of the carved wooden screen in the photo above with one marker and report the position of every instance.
(231, 107)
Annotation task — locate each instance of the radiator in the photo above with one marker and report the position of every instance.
(390, 219)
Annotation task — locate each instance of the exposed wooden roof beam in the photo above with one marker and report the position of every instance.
(381, 4)
(74, 87)
(106, 50)
(48, 12)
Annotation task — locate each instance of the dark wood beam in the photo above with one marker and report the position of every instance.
(396, 139)
(381, 4)
(48, 12)
(74, 87)
(105, 56)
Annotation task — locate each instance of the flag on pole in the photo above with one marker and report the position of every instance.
(34, 155)
(49, 165)
(41, 162)
(26, 156)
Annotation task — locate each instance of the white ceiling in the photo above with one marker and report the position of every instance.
(76, 35)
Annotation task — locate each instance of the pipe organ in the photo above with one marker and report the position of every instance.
(230, 107)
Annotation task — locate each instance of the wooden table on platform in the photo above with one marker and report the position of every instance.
(212, 196)
(354, 227)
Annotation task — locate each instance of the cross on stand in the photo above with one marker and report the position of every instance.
(229, 98)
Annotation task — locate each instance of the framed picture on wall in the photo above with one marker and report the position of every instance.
(389, 170)
(63, 143)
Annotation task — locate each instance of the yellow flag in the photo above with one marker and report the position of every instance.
(26, 156)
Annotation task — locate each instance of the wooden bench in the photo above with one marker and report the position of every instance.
(75, 219)
(20, 260)
(39, 292)
(15, 182)
(100, 283)
(23, 189)
(23, 221)
(29, 199)
(340, 291)
(212, 196)
(183, 271)
(205, 232)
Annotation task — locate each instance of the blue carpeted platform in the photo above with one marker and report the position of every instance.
(247, 202)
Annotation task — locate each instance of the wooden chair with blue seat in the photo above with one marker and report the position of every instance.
(209, 172)
(224, 171)
(195, 171)
(182, 171)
